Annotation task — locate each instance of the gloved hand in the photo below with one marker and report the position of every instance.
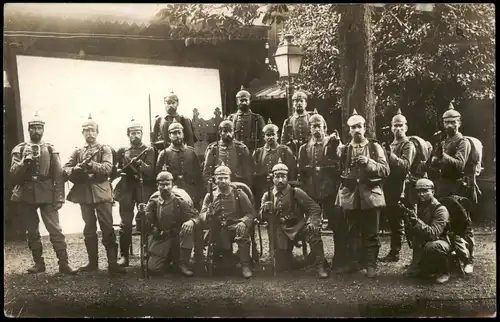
(187, 228)
(240, 228)
(267, 206)
(312, 228)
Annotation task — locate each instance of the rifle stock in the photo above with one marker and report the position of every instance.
(144, 250)
(272, 224)
(211, 228)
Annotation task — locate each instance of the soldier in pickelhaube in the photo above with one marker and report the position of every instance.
(400, 155)
(266, 157)
(248, 125)
(133, 161)
(232, 153)
(235, 215)
(36, 170)
(360, 195)
(457, 175)
(89, 168)
(161, 137)
(319, 172)
(183, 163)
(171, 221)
(299, 218)
(295, 131)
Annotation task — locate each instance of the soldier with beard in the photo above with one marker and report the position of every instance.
(318, 167)
(182, 162)
(295, 131)
(160, 135)
(401, 153)
(266, 157)
(128, 190)
(89, 169)
(36, 168)
(248, 125)
(232, 153)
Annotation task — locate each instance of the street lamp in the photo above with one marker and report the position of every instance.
(288, 58)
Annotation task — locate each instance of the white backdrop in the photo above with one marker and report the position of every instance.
(65, 91)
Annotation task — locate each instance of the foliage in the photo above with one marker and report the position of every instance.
(418, 57)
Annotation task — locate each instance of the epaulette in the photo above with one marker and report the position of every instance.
(188, 147)
(19, 147)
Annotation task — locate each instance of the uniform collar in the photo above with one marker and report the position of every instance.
(297, 115)
(457, 136)
(284, 192)
(397, 141)
(165, 201)
(361, 144)
(224, 144)
(268, 148)
(315, 141)
(240, 112)
(139, 147)
(96, 144)
(181, 149)
(217, 192)
(174, 115)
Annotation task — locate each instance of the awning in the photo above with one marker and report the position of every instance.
(273, 92)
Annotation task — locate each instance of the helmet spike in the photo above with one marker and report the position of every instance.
(398, 112)
(269, 121)
(354, 112)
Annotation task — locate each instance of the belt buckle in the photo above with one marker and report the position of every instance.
(91, 176)
(357, 180)
(180, 177)
(318, 168)
(34, 178)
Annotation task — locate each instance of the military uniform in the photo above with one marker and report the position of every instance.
(295, 130)
(248, 128)
(235, 155)
(397, 186)
(40, 185)
(95, 196)
(167, 216)
(185, 166)
(361, 197)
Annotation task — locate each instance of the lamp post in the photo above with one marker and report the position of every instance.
(288, 58)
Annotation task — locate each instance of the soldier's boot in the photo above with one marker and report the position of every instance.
(184, 256)
(92, 253)
(39, 266)
(246, 269)
(124, 249)
(112, 254)
(64, 267)
(281, 260)
(319, 259)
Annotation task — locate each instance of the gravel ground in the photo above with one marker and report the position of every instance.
(296, 293)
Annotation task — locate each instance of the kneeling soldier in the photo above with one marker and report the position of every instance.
(233, 214)
(299, 217)
(428, 227)
(172, 221)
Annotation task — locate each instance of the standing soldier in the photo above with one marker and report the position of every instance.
(182, 162)
(172, 221)
(160, 135)
(400, 153)
(231, 152)
(266, 157)
(89, 169)
(298, 216)
(248, 125)
(36, 168)
(234, 213)
(134, 161)
(452, 157)
(360, 195)
(295, 131)
(319, 167)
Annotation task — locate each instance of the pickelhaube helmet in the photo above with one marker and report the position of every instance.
(134, 125)
(175, 126)
(36, 120)
(280, 167)
(299, 95)
(424, 184)
(269, 126)
(171, 96)
(355, 119)
(222, 170)
(451, 113)
(90, 123)
(398, 118)
(226, 124)
(243, 93)
(164, 176)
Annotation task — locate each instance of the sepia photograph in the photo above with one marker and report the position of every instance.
(246, 160)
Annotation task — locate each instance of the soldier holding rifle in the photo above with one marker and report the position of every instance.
(36, 170)
(297, 217)
(89, 168)
(296, 131)
(134, 162)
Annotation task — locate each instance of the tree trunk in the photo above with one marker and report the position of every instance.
(356, 58)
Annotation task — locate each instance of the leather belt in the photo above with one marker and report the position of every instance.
(37, 178)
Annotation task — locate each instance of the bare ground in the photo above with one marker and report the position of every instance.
(289, 294)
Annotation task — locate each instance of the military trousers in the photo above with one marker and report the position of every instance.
(430, 258)
(127, 205)
(102, 213)
(394, 216)
(171, 249)
(50, 218)
(362, 237)
(227, 235)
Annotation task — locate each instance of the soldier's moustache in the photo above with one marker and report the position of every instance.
(35, 137)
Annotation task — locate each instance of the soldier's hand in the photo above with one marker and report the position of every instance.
(57, 205)
(140, 163)
(141, 207)
(363, 160)
(27, 151)
(240, 228)
(187, 228)
(312, 228)
(78, 167)
(267, 206)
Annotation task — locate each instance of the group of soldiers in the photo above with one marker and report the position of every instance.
(249, 176)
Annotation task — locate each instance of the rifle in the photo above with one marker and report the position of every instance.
(132, 163)
(255, 254)
(406, 221)
(151, 133)
(142, 217)
(80, 176)
(386, 137)
(211, 239)
(272, 222)
(438, 137)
